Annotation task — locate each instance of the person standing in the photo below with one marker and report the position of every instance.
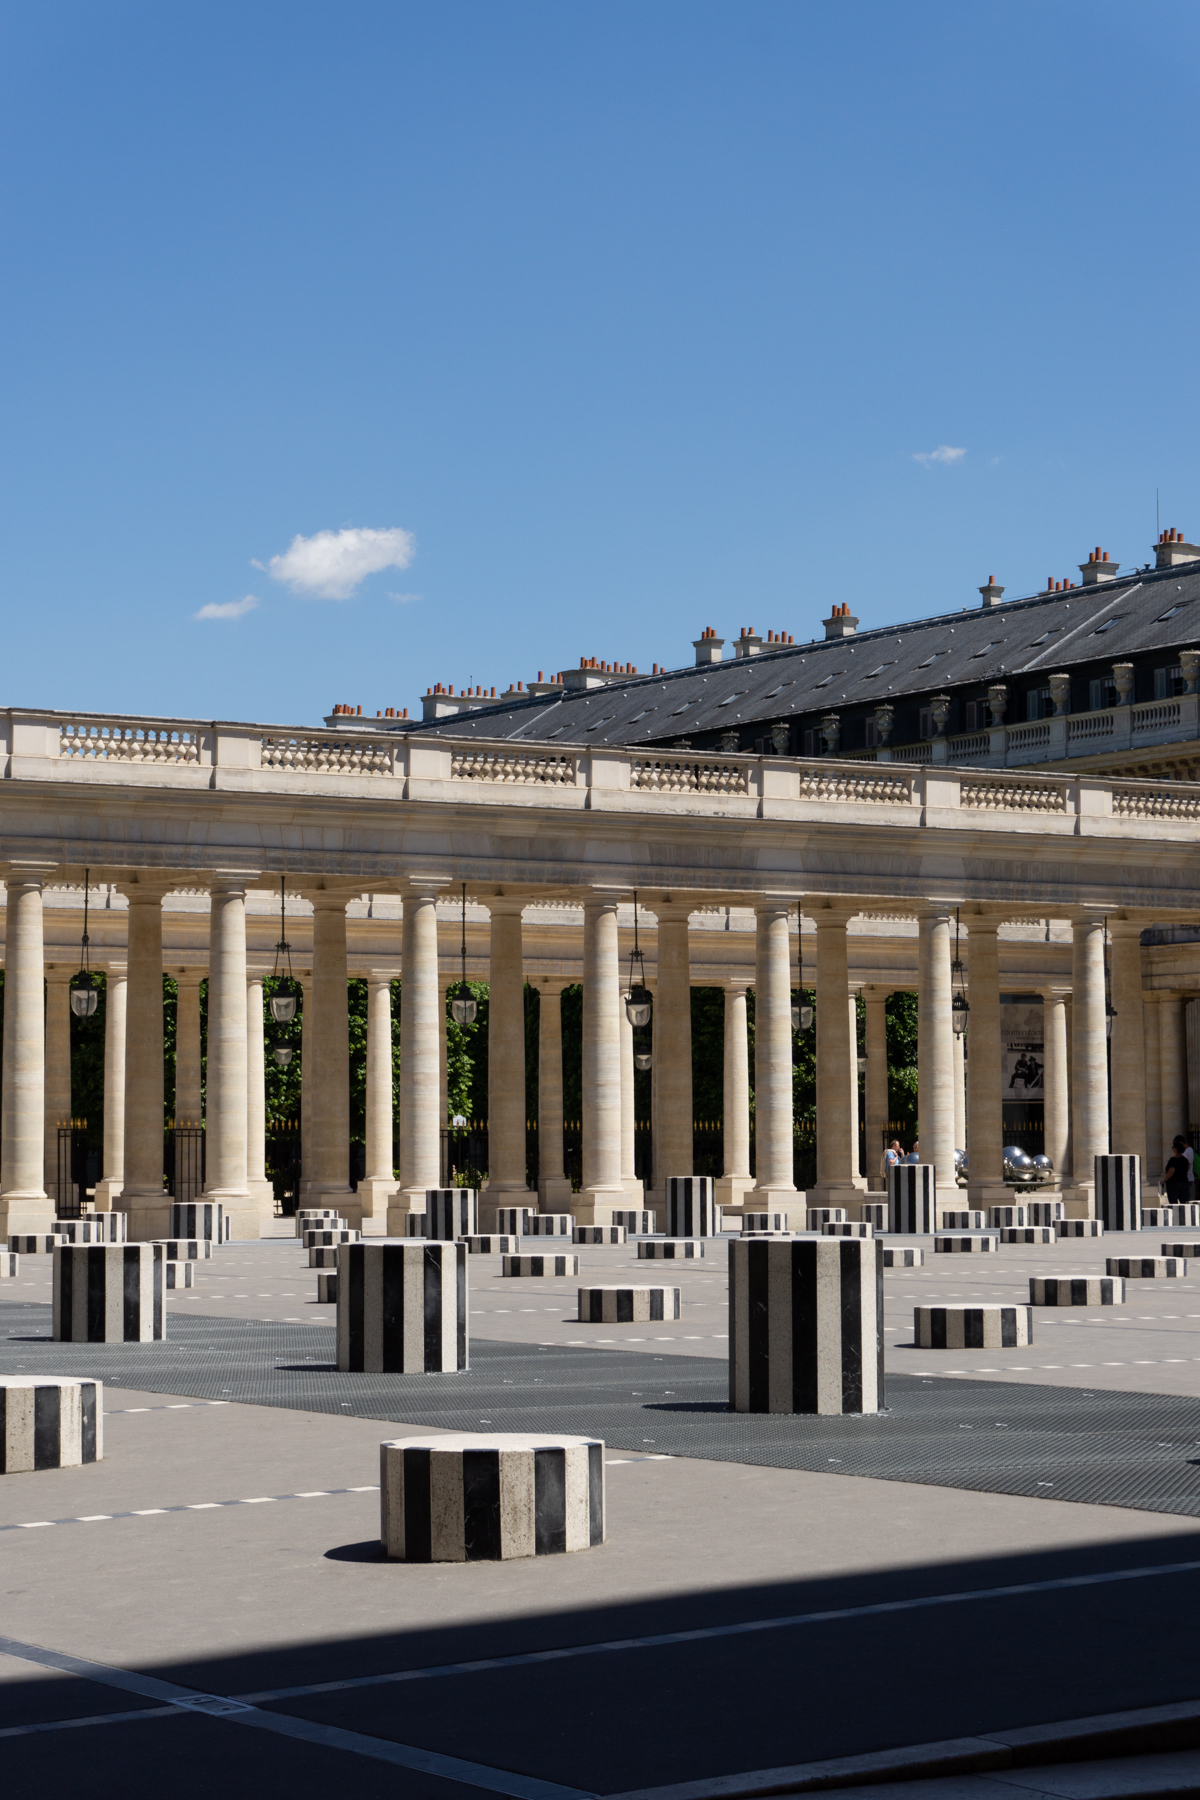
(1176, 1175)
(892, 1157)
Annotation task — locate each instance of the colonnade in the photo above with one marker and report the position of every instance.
(1147, 1037)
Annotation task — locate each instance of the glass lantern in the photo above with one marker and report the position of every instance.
(958, 1014)
(643, 1060)
(463, 1007)
(282, 1054)
(84, 998)
(283, 1007)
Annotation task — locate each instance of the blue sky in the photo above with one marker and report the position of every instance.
(621, 319)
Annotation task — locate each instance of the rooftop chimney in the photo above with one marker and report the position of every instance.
(841, 623)
(1098, 567)
(1171, 549)
(708, 647)
(746, 643)
(990, 595)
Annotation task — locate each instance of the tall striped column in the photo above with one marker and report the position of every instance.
(806, 1325)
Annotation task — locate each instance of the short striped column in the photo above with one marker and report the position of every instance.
(598, 1234)
(627, 1305)
(179, 1274)
(493, 1244)
(903, 1256)
(972, 1327)
(40, 1243)
(317, 1236)
(451, 1213)
(109, 1294)
(199, 1218)
(1076, 1290)
(817, 1216)
(550, 1225)
(1119, 1192)
(965, 1243)
(1188, 1250)
(1046, 1212)
(999, 1216)
(1079, 1228)
(692, 1209)
(311, 1216)
(876, 1213)
(10, 1265)
(327, 1287)
(323, 1256)
(852, 1228)
(758, 1221)
(1156, 1218)
(670, 1249)
(402, 1307)
(806, 1326)
(490, 1497)
(539, 1266)
(93, 1230)
(1187, 1216)
(186, 1249)
(1147, 1268)
(964, 1221)
(49, 1422)
(513, 1221)
(637, 1224)
(912, 1199)
(1028, 1234)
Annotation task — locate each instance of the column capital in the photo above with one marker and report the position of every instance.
(1089, 916)
(424, 887)
(233, 881)
(1055, 991)
(671, 912)
(383, 977)
(874, 990)
(504, 906)
(145, 891)
(28, 872)
(1125, 929)
(118, 969)
(184, 977)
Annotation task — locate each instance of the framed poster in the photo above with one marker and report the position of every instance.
(1022, 1051)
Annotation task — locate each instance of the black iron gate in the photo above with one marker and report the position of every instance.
(184, 1163)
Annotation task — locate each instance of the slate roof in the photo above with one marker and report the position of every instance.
(1016, 641)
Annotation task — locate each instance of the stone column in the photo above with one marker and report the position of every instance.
(935, 1050)
(852, 1033)
(1173, 1063)
(875, 1085)
(378, 1184)
(225, 1177)
(775, 1183)
(836, 1183)
(554, 1187)
(602, 1188)
(58, 1070)
(113, 1160)
(736, 1183)
(307, 1054)
(1056, 1112)
(24, 1203)
(1089, 1073)
(506, 1184)
(1151, 1018)
(673, 1044)
(985, 1097)
(420, 1126)
(1128, 1043)
(261, 1191)
(629, 1180)
(329, 1140)
(142, 1194)
(188, 1101)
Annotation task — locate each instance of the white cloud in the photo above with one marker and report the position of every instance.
(945, 453)
(405, 599)
(331, 564)
(228, 609)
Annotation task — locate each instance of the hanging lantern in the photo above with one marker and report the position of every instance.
(287, 988)
(958, 1014)
(643, 1060)
(637, 1000)
(462, 1006)
(1110, 1011)
(282, 1054)
(802, 1013)
(283, 1007)
(958, 1006)
(84, 997)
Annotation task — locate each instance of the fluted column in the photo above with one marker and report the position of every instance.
(1155, 1151)
(420, 1126)
(329, 1142)
(1089, 1083)
(1056, 1115)
(142, 1195)
(775, 1183)
(935, 1048)
(24, 1203)
(875, 1085)
(602, 1188)
(112, 1179)
(377, 1185)
(985, 1099)
(554, 1187)
(262, 1191)
(58, 1070)
(1128, 1044)
(1173, 1057)
(836, 1183)
(673, 1043)
(506, 1184)
(225, 1176)
(736, 1181)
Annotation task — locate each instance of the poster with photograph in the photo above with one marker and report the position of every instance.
(1023, 1059)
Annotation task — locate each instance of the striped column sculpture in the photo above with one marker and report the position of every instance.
(972, 1327)
(486, 1497)
(903, 1256)
(179, 1274)
(1000, 1217)
(10, 1265)
(806, 1325)
(99, 1228)
(692, 1209)
(41, 1243)
(199, 1218)
(855, 1228)
(1147, 1268)
(1119, 1192)
(1076, 1290)
(49, 1422)
(963, 1221)
(402, 1307)
(966, 1243)
(549, 1266)
(493, 1243)
(912, 1199)
(327, 1287)
(1028, 1234)
(550, 1224)
(772, 1221)
(1046, 1212)
(513, 1221)
(1073, 1228)
(670, 1249)
(876, 1213)
(637, 1224)
(312, 1216)
(451, 1213)
(598, 1234)
(627, 1305)
(186, 1249)
(109, 1294)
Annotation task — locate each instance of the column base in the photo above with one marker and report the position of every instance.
(106, 1193)
(555, 1194)
(733, 1192)
(837, 1193)
(635, 1190)
(149, 1216)
(241, 1211)
(400, 1203)
(985, 1193)
(492, 1196)
(791, 1200)
(596, 1206)
(367, 1210)
(1079, 1198)
(25, 1214)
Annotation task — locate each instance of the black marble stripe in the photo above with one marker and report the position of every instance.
(131, 1295)
(758, 1364)
(431, 1270)
(595, 1494)
(460, 1292)
(355, 1307)
(481, 1504)
(94, 1262)
(549, 1502)
(391, 1303)
(804, 1325)
(3, 1431)
(850, 1260)
(47, 1427)
(418, 1510)
(64, 1269)
(87, 1403)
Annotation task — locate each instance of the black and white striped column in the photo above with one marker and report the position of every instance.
(964, 1221)
(550, 1225)
(1028, 1234)
(999, 1216)
(1119, 1192)
(903, 1256)
(186, 1249)
(1147, 1268)
(312, 1216)
(1077, 1228)
(539, 1265)
(38, 1243)
(966, 1243)
(492, 1243)
(692, 1209)
(327, 1287)
(637, 1224)
(199, 1218)
(109, 1294)
(769, 1221)
(317, 1236)
(627, 1305)
(402, 1307)
(1190, 1251)
(180, 1274)
(1046, 1212)
(852, 1228)
(876, 1213)
(513, 1221)
(806, 1325)
(49, 1422)
(325, 1256)
(489, 1497)
(669, 1249)
(10, 1265)
(817, 1216)
(972, 1327)
(1076, 1290)
(451, 1213)
(912, 1199)
(598, 1234)
(96, 1228)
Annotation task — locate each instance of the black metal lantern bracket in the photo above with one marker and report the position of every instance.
(463, 1006)
(84, 997)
